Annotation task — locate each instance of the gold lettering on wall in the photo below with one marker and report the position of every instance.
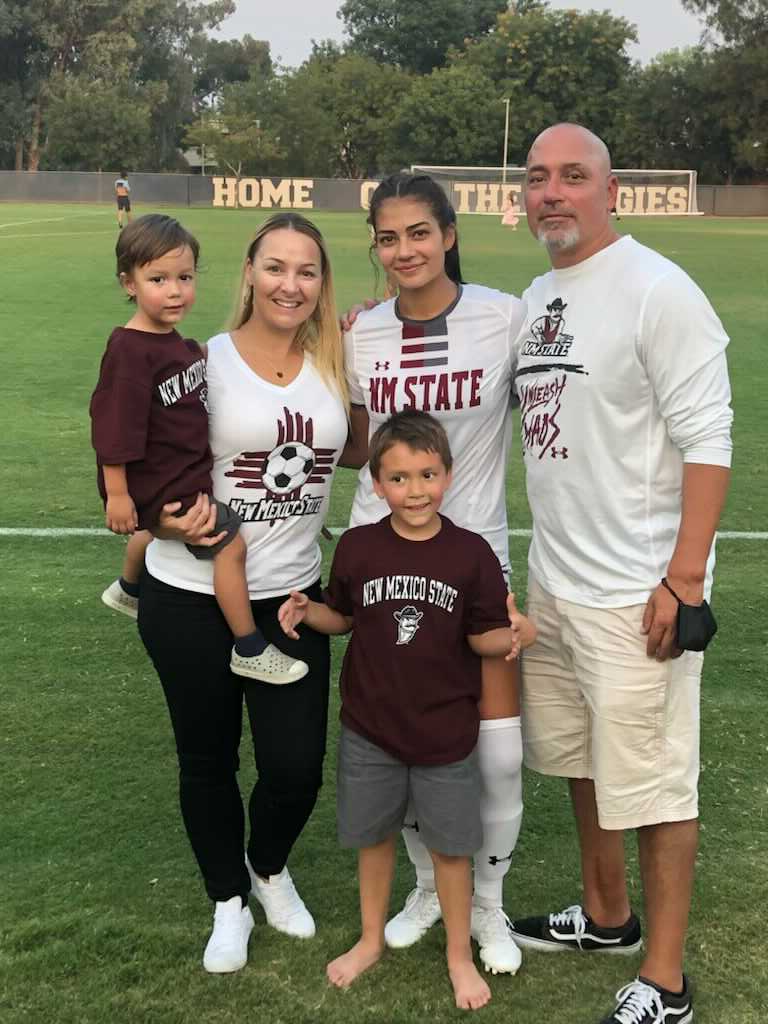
(467, 196)
(366, 191)
(249, 193)
(224, 191)
(464, 191)
(656, 199)
(677, 199)
(487, 199)
(263, 193)
(302, 199)
(276, 195)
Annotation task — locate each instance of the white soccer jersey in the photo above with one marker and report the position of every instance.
(621, 379)
(275, 450)
(458, 367)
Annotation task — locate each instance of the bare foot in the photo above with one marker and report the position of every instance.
(345, 968)
(470, 990)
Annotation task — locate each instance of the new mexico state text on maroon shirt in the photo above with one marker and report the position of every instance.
(410, 682)
(148, 413)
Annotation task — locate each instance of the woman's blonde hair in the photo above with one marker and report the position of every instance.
(320, 335)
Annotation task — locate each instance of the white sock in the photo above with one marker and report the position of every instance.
(418, 853)
(500, 752)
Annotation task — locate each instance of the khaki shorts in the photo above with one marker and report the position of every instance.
(595, 706)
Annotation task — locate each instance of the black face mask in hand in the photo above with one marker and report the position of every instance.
(695, 625)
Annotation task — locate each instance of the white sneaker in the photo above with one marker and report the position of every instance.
(284, 908)
(118, 600)
(271, 666)
(491, 930)
(421, 911)
(227, 948)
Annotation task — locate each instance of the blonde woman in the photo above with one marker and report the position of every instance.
(277, 402)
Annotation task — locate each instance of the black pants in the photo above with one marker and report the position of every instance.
(189, 642)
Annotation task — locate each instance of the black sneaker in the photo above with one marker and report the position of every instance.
(642, 1002)
(573, 929)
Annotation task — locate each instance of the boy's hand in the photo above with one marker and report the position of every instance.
(346, 320)
(515, 622)
(292, 612)
(121, 514)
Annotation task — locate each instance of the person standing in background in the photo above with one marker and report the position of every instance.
(123, 198)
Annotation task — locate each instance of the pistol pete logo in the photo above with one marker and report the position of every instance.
(407, 620)
(548, 332)
(281, 473)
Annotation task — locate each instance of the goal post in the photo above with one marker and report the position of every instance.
(485, 190)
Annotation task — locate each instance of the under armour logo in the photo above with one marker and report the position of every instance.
(498, 860)
(558, 453)
(382, 366)
(414, 826)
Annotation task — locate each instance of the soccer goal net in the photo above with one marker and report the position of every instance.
(490, 190)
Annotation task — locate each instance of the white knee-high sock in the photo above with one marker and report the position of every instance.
(417, 852)
(500, 753)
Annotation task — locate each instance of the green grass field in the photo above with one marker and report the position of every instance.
(103, 915)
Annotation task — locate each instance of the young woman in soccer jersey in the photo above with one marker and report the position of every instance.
(278, 422)
(446, 347)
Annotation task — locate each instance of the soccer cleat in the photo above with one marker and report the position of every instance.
(642, 1002)
(271, 666)
(115, 597)
(284, 908)
(227, 948)
(573, 929)
(491, 931)
(420, 912)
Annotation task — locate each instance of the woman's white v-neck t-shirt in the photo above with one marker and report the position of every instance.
(275, 450)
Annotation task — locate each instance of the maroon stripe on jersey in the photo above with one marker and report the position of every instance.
(414, 331)
(426, 346)
(406, 364)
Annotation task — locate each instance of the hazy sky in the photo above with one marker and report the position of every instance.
(290, 25)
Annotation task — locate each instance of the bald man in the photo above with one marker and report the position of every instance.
(625, 408)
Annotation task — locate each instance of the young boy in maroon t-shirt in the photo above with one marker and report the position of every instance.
(150, 431)
(426, 601)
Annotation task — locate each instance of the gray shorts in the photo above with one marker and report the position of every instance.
(226, 519)
(373, 790)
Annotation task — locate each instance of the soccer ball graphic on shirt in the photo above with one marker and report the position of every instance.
(288, 466)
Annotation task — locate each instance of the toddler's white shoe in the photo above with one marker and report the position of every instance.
(271, 666)
(118, 600)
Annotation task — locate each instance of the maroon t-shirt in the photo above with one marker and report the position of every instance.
(410, 682)
(148, 413)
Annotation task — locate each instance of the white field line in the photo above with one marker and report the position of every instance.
(54, 234)
(95, 531)
(51, 220)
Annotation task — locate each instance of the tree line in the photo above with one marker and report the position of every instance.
(86, 84)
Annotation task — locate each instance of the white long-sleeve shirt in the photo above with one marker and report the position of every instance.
(622, 378)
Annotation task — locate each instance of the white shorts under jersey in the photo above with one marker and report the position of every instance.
(275, 450)
(458, 367)
(621, 379)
